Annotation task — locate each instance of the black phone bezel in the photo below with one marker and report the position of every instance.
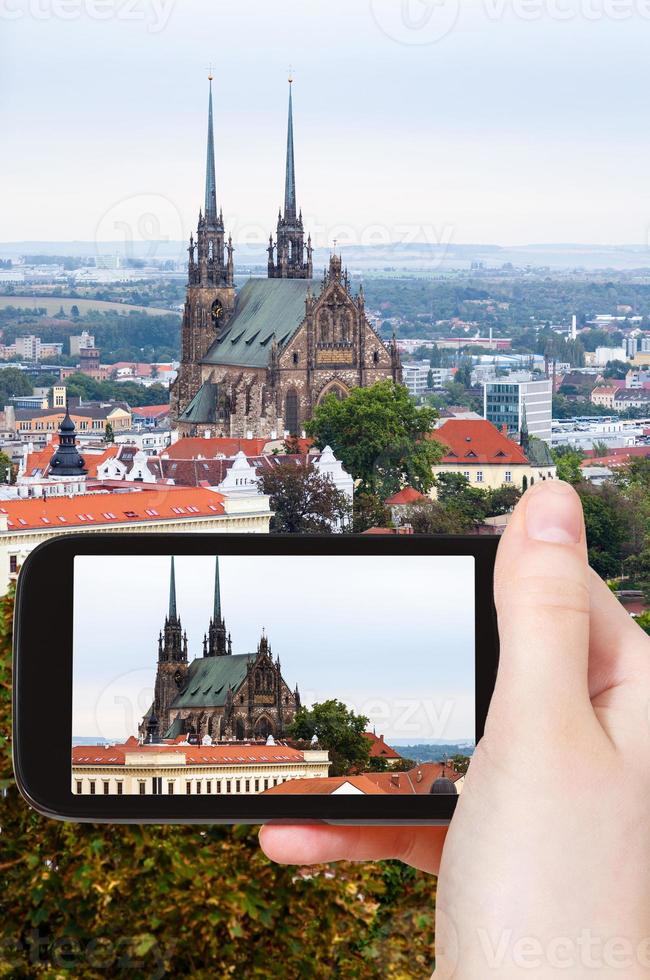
(42, 684)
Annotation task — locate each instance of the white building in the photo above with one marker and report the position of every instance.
(191, 770)
(24, 524)
(505, 403)
(605, 355)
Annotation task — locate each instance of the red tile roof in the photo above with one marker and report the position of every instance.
(618, 457)
(379, 749)
(477, 441)
(416, 781)
(150, 411)
(406, 496)
(191, 448)
(324, 786)
(195, 755)
(105, 510)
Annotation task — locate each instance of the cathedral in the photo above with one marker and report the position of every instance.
(257, 363)
(220, 696)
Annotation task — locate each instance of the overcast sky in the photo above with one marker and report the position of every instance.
(392, 637)
(511, 121)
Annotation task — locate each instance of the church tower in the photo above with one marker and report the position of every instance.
(217, 643)
(290, 245)
(210, 290)
(172, 660)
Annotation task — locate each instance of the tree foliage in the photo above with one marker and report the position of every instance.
(303, 500)
(380, 437)
(339, 730)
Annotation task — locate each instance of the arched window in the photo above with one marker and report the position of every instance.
(210, 250)
(263, 728)
(291, 412)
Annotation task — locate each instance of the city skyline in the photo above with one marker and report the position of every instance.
(395, 137)
(350, 629)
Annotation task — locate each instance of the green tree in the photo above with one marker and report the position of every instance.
(467, 503)
(339, 730)
(380, 436)
(616, 370)
(6, 469)
(568, 465)
(14, 382)
(369, 511)
(460, 763)
(431, 517)
(303, 500)
(607, 528)
(503, 500)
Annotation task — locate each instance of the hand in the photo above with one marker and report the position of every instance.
(545, 869)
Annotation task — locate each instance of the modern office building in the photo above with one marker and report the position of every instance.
(505, 403)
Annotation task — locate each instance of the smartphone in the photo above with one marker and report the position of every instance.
(209, 678)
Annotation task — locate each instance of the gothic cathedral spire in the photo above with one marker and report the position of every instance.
(290, 179)
(217, 643)
(210, 300)
(210, 170)
(173, 613)
(290, 245)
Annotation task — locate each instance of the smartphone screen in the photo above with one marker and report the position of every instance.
(285, 674)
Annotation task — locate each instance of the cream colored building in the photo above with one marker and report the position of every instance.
(488, 458)
(604, 395)
(24, 524)
(146, 770)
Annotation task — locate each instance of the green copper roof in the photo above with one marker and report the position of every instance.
(173, 616)
(176, 728)
(210, 171)
(209, 680)
(539, 453)
(217, 594)
(290, 179)
(266, 309)
(203, 407)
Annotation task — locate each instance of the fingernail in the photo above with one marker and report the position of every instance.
(554, 514)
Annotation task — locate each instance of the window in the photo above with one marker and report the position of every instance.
(120, 789)
(142, 788)
(198, 786)
(92, 788)
(291, 413)
(218, 786)
(248, 785)
(106, 785)
(238, 786)
(508, 476)
(170, 789)
(228, 786)
(466, 474)
(13, 563)
(257, 785)
(188, 788)
(266, 784)
(79, 787)
(208, 786)
(479, 476)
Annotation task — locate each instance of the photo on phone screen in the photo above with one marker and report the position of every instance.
(272, 674)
